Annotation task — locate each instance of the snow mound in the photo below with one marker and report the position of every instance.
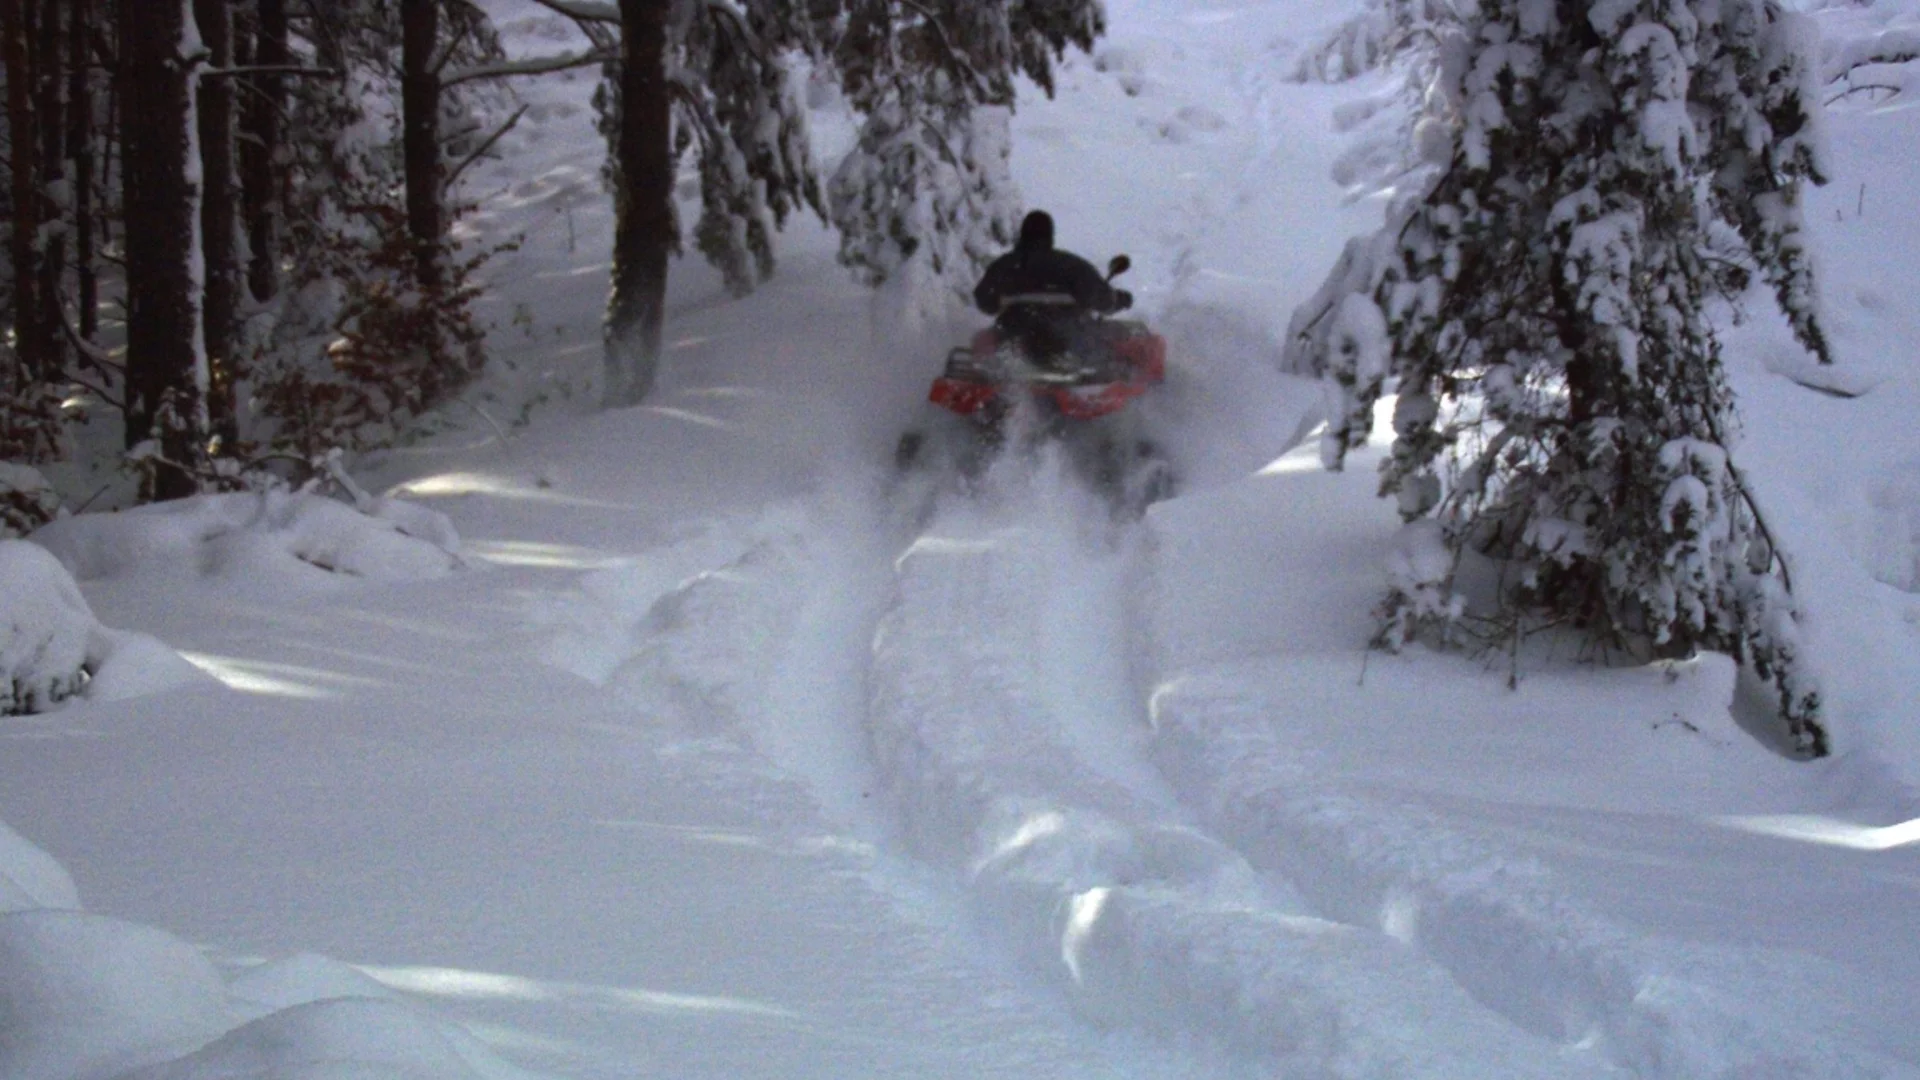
(339, 1039)
(302, 979)
(591, 630)
(89, 997)
(1374, 790)
(52, 648)
(1501, 925)
(26, 499)
(1895, 556)
(30, 878)
(268, 540)
(46, 633)
(85, 996)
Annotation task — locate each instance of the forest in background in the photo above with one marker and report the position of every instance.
(235, 223)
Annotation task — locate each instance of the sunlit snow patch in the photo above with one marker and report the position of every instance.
(453, 484)
(1833, 832)
(274, 680)
(542, 556)
(484, 985)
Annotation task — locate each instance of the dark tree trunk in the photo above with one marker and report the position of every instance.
(159, 204)
(80, 147)
(23, 249)
(259, 154)
(420, 135)
(644, 230)
(50, 115)
(220, 314)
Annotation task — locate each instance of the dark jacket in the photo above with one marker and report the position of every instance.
(1029, 271)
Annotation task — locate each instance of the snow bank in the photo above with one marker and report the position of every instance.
(1503, 926)
(1345, 773)
(259, 541)
(339, 1038)
(52, 649)
(89, 997)
(30, 878)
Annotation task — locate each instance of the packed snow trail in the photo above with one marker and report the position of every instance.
(1005, 723)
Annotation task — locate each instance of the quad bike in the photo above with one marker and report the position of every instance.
(1085, 397)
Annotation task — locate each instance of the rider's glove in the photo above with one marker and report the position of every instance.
(1122, 299)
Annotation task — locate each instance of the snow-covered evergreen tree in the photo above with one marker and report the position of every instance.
(1396, 134)
(926, 199)
(1376, 36)
(735, 108)
(926, 192)
(719, 78)
(1545, 308)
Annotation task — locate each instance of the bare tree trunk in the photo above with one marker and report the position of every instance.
(644, 229)
(420, 135)
(164, 366)
(24, 248)
(80, 147)
(220, 315)
(49, 115)
(260, 173)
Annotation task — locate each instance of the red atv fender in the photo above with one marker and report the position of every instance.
(964, 389)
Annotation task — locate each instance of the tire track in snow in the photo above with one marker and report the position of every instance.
(1088, 871)
(739, 653)
(1499, 924)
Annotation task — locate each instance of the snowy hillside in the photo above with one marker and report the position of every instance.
(689, 741)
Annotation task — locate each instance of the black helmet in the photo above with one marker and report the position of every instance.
(1036, 232)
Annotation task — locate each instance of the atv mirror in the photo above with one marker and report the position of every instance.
(1119, 265)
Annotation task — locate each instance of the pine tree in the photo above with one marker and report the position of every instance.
(261, 175)
(1545, 308)
(166, 368)
(374, 329)
(715, 80)
(927, 192)
(1395, 134)
(219, 223)
(933, 80)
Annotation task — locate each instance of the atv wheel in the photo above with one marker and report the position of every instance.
(1149, 479)
(907, 454)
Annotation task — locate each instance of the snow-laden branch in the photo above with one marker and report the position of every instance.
(532, 65)
(270, 69)
(953, 52)
(1888, 47)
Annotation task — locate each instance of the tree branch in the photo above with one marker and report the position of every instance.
(272, 69)
(453, 45)
(1892, 91)
(980, 83)
(453, 174)
(93, 354)
(536, 65)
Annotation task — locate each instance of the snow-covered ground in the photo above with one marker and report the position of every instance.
(708, 750)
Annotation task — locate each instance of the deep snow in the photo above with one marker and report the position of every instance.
(706, 749)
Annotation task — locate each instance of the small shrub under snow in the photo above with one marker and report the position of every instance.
(264, 536)
(48, 639)
(27, 501)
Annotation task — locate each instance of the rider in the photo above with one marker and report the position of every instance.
(1043, 296)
